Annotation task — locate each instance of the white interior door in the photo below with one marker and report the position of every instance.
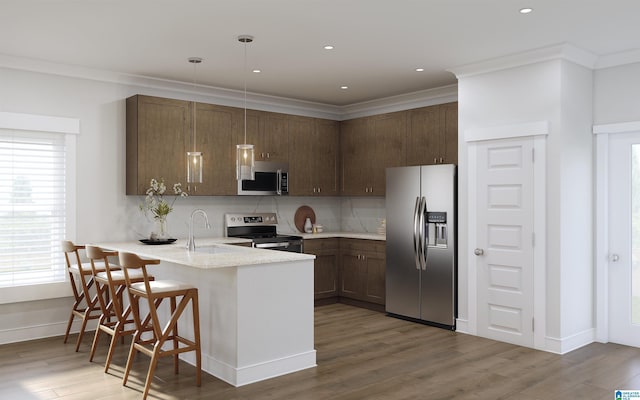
(504, 240)
(624, 239)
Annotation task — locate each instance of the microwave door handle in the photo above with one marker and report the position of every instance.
(279, 188)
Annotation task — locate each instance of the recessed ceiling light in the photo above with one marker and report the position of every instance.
(328, 47)
(344, 87)
(257, 71)
(525, 10)
(419, 69)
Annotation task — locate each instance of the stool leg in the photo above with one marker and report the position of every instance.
(152, 368)
(66, 334)
(174, 332)
(196, 333)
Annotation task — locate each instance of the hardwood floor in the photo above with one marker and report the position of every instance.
(362, 354)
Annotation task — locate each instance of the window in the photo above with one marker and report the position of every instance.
(32, 207)
(34, 203)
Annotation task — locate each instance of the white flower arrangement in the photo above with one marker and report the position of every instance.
(155, 202)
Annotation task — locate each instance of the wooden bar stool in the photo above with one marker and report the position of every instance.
(116, 319)
(155, 292)
(85, 304)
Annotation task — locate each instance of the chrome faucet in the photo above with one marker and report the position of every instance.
(191, 243)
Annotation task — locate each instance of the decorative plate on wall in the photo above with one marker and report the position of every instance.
(302, 213)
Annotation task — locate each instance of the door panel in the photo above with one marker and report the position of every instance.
(624, 239)
(402, 275)
(504, 238)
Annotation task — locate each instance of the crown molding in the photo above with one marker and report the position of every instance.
(617, 59)
(422, 98)
(563, 51)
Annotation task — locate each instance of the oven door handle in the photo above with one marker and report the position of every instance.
(271, 245)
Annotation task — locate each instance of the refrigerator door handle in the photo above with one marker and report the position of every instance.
(416, 236)
(425, 239)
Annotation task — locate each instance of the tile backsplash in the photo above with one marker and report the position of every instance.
(349, 214)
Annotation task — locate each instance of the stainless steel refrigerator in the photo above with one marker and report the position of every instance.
(421, 270)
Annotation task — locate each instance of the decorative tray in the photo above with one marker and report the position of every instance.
(165, 241)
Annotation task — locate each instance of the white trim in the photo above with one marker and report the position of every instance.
(540, 247)
(569, 343)
(523, 129)
(41, 123)
(462, 325)
(618, 127)
(602, 238)
(617, 59)
(18, 294)
(563, 51)
(423, 98)
(253, 373)
(472, 228)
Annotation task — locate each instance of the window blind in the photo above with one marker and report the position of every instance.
(32, 207)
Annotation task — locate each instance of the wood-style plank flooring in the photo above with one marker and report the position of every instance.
(362, 354)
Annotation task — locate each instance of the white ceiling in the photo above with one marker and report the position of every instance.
(378, 43)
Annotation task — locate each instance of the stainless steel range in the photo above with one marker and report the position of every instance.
(261, 229)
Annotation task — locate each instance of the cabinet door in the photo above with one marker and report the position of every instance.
(275, 138)
(352, 275)
(215, 139)
(325, 266)
(423, 136)
(449, 121)
(157, 138)
(375, 283)
(253, 131)
(302, 154)
(325, 154)
(354, 146)
(387, 148)
(326, 275)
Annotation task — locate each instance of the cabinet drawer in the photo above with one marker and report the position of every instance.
(371, 246)
(313, 245)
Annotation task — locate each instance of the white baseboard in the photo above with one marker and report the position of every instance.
(570, 343)
(254, 373)
(26, 333)
(462, 325)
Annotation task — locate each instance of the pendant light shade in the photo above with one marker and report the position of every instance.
(194, 167)
(194, 158)
(245, 164)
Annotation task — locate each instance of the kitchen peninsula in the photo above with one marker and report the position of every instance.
(256, 306)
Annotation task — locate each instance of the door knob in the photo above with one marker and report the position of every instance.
(615, 258)
(478, 252)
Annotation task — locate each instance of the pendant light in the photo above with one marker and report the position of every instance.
(194, 158)
(245, 167)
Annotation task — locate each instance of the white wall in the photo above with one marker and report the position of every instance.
(616, 94)
(558, 92)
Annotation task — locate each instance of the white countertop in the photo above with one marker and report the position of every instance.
(210, 253)
(349, 235)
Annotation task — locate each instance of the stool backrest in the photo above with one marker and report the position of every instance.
(133, 261)
(97, 254)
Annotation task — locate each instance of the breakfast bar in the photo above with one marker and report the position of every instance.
(256, 306)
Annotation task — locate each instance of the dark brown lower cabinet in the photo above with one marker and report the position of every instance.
(362, 269)
(325, 274)
(348, 269)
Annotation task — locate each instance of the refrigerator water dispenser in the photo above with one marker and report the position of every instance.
(437, 229)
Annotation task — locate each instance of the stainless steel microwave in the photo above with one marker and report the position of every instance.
(272, 179)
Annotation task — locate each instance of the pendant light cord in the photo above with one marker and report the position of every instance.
(245, 92)
(194, 108)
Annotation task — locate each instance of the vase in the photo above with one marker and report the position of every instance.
(160, 229)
